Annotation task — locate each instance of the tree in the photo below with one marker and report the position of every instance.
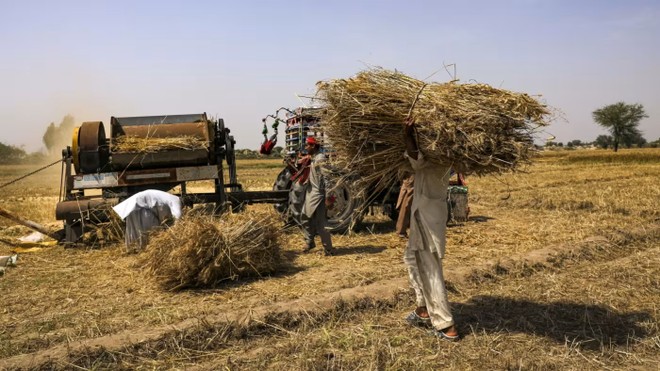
(603, 141)
(574, 143)
(634, 140)
(621, 120)
(11, 154)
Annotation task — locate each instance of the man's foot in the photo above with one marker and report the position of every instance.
(449, 334)
(403, 235)
(414, 319)
(307, 249)
(329, 252)
(422, 312)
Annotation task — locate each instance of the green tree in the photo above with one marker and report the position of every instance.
(603, 141)
(635, 139)
(11, 154)
(621, 120)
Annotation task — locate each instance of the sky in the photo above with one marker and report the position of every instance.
(241, 60)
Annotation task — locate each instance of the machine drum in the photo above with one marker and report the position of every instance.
(93, 152)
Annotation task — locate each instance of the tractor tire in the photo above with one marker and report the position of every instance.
(348, 208)
(345, 214)
(282, 183)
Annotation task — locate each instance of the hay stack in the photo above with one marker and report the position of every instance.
(474, 128)
(133, 144)
(202, 250)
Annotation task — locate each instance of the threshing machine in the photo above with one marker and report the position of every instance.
(97, 174)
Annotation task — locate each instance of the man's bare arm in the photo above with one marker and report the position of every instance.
(409, 138)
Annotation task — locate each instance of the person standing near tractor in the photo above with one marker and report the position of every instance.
(313, 216)
(426, 245)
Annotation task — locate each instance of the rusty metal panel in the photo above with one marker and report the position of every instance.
(123, 161)
(141, 177)
(197, 173)
(196, 125)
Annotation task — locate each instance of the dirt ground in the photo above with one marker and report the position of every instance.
(557, 268)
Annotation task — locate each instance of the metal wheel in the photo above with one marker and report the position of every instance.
(92, 149)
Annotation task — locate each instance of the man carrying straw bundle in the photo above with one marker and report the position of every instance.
(426, 245)
(313, 216)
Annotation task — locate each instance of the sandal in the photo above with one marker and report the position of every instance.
(415, 320)
(443, 336)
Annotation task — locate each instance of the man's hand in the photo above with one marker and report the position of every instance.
(409, 137)
(409, 126)
(330, 201)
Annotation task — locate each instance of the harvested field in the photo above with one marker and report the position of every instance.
(557, 268)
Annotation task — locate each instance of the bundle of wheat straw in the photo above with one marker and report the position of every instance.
(474, 128)
(203, 250)
(134, 144)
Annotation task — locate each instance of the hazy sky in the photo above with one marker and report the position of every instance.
(241, 60)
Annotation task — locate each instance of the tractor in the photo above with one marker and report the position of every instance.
(349, 206)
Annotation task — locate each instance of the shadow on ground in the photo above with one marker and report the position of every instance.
(480, 218)
(285, 268)
(350, 250)
(591, 326)
(377, 226)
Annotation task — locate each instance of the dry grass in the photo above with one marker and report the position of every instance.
(201, 250)
(473, 128)
(133, 144)
(593, 309)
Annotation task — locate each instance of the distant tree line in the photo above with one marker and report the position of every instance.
(622, 121)
(606, 142)
(16, 155)
(55, 138)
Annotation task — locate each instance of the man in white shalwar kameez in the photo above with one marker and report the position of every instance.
(426, 245)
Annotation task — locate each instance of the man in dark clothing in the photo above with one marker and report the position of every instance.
(313, 214)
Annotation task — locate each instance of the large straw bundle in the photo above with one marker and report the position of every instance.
(134, 144)
(202, 251)
(474, 128)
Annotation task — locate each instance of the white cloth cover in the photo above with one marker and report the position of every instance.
(145, 211)
(149, 199)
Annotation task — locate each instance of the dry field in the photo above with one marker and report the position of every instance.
(557, 268)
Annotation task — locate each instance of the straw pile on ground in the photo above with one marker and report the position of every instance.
(474, 128)
(203, 251)
(134, 144)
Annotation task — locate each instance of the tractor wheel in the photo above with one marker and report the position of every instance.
(348, 208)
(282, 183)
(346, 212)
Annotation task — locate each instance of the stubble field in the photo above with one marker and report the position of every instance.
(557, 268)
